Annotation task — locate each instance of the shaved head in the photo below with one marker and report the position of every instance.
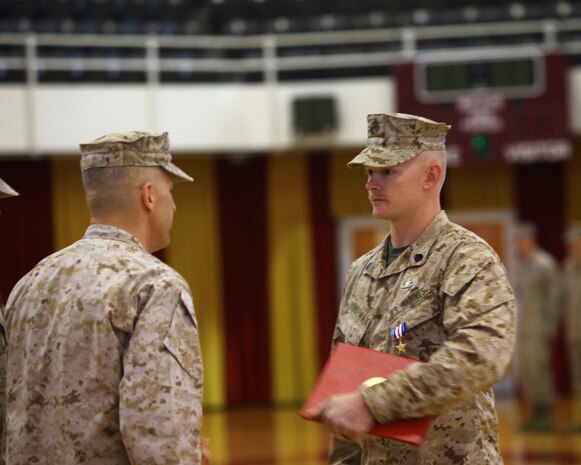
(114, 190)
(431, 157)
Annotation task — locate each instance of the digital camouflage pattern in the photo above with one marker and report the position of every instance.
(573, 231)
(3, 353)
(134, 148)
(6, 190)
(395, 138)
(537, 289)
(452, 291)
(104, 363)
(572, 301)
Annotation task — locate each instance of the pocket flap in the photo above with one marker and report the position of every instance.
(464, 271)
(416, 316)
(418, 307)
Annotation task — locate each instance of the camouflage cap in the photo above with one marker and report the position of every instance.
(6, 190)
(395, 138)
(134, 148)
(573, 232)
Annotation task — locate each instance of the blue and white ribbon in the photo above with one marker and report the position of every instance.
(399, 331)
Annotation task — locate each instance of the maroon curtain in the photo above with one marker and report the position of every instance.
(540, 195)
(324, 245)
(243, 236)
(25, 221)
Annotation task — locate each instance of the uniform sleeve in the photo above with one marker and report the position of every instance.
(344, 453)
(478, 319)
(564, 296)
(3, 361)
(554, 298)
(160, 391)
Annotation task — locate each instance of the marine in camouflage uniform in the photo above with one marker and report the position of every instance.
(572, 305)
(5, 191)
(451, 291)
(537, 290)
(104, 363)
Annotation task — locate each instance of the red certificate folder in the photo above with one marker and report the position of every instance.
(347, 368)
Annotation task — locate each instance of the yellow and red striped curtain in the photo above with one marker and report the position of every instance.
(254, 236)
(195, 253)
(293, 349)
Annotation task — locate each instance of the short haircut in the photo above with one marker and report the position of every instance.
(113, 190)
(429, 156)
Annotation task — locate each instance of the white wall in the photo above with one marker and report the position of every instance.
(14, 130)
(199, 118)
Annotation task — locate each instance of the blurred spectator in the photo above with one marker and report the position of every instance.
(572, 301)
(537, 292)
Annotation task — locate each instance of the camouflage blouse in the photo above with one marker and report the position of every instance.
(104, 363)
(451, 291)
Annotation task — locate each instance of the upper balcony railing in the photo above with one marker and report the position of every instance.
(157, 59)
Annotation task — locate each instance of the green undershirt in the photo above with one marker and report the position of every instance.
(394, 252)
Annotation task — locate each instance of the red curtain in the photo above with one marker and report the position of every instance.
(243, 236)
(540, 196)
(324, 249)
(25, 221)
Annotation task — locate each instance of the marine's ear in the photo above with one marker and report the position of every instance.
(147, 196)
(434, 175)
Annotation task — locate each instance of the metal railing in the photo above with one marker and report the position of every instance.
(34, 58)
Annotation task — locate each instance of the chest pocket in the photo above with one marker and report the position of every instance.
(352, 325)
(421, 312)
(181, 339)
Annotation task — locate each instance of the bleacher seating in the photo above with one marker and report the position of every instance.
(242, 17)
(228, 40)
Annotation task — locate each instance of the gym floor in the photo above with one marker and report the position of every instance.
(264, 436)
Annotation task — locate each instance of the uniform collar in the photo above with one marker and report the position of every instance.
(105, 231)
(415, 255)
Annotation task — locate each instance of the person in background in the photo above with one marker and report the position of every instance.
(537, 289)
(432, 291)
(572, 305)
(5, 192)
(104, 363)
